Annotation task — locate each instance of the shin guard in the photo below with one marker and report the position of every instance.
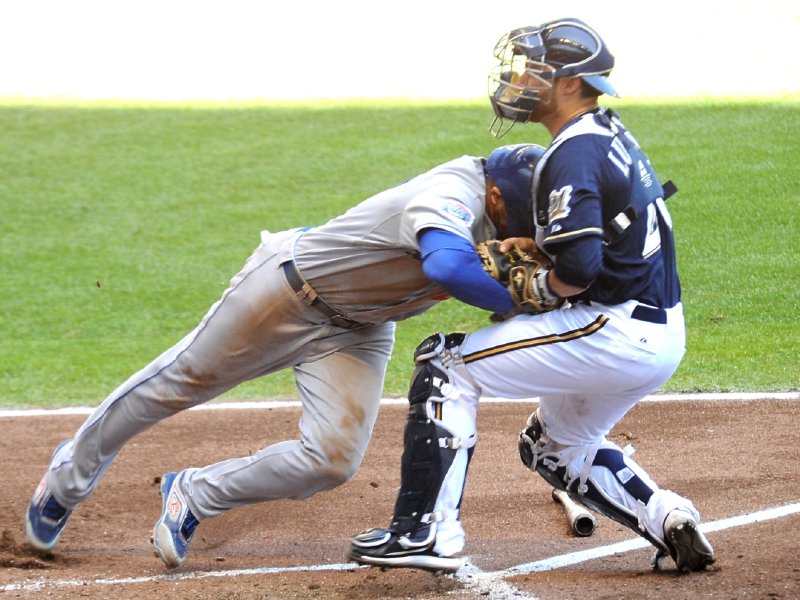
(424, 463)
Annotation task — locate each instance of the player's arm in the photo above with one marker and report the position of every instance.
(451, 261)
(576, 267)
(574, 235)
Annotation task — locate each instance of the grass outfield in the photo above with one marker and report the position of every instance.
(122, 223)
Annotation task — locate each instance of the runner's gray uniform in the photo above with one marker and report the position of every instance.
(365, 265)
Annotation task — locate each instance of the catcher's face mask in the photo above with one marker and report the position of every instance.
(530, 59)
(519, 82)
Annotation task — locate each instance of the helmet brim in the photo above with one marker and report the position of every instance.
(601, 84)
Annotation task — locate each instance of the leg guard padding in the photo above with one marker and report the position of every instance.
(614, 461)
(424, 463)
(595, 499)
(591, 494)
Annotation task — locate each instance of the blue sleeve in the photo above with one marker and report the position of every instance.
(451, 261)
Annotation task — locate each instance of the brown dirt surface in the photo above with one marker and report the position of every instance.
(732, 458)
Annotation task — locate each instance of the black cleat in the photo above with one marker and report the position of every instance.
(688, 547)
(385, 548)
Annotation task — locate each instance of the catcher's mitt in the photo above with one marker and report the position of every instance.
(523, 275)
(529, 288)
(498, 264)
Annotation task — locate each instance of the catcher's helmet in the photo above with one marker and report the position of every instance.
(511, 168)
(531, 57)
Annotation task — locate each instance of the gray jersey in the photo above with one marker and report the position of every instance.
(366, 262)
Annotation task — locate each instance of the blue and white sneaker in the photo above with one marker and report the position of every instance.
(174, 530)
(45, 519)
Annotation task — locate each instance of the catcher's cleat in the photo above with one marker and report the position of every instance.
(687, 545)
(386, 549)
(174, 530)
(45, 519)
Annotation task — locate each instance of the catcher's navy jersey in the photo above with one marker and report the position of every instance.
(592, 172)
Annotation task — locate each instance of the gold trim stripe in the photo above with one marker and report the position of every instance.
(572, 234)
(553, 338)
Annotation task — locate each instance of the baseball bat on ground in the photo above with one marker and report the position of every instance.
(580, 519)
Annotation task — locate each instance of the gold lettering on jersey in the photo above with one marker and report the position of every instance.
(559, 203)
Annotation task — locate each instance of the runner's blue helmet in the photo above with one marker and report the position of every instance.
(512, 167)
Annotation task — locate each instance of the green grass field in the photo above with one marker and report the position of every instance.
(122, 223)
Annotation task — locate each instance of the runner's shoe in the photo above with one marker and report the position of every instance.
(45, 519)
(174, 530)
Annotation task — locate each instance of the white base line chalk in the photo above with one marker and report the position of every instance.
(573, 558)
(271, 404)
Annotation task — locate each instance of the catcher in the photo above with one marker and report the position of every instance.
(603, 324)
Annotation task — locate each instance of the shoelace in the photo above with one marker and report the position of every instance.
(189, 525)
(53, 510)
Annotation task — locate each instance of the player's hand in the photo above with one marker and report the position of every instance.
(528, 246)
(497, 264)
(522, 243)
(530, 289)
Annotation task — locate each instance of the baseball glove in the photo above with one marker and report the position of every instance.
(498, 264)
(529, 288)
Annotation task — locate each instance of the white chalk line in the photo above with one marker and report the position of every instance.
(470, 575)
(487, 581)
(189, 575)
(271, 404)
(573, 558)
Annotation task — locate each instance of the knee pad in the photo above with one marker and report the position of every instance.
(427, 381)
(540, 454)
(433, 345)
(528, 440)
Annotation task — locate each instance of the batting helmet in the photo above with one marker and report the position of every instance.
(531, 57)
(511, 168)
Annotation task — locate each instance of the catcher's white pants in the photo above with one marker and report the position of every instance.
(588, 365)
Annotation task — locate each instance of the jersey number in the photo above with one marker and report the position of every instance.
(652, 240)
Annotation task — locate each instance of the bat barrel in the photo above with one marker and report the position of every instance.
(580, 520)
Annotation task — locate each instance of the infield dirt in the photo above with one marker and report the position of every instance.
(732, 458)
